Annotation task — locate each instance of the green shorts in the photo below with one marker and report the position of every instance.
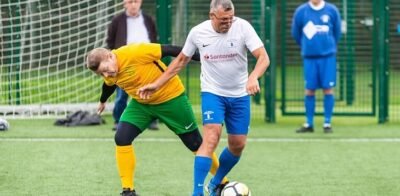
(176, 113)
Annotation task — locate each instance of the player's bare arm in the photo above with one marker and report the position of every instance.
(176, 65)
(262, 64)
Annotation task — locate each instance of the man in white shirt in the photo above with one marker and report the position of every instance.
(223, 42)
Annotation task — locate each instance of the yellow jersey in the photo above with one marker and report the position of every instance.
(140, 64)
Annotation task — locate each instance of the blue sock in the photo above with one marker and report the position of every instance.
(309, 102)
(201, 167)
(329, 103)
(226, 162)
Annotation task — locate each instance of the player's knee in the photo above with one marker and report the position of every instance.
(310, 92)
(237, 145)
(126, 133)
(236, 149)
(211, 142)
(328, 91)
(192, 140)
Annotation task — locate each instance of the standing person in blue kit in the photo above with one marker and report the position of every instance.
(316, 27)
(130, 26)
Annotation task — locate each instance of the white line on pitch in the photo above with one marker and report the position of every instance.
(266, 140)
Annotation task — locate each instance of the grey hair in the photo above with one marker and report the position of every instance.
(227, 5)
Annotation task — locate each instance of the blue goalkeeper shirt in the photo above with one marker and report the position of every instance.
(317, 29)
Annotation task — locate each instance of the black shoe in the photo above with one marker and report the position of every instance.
(220, 188)
(128, 192)
(115, 127)
(328, 129)
(213, 190)
(153, 126)
(304, 129)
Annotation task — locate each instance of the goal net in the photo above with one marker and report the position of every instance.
(43, 46)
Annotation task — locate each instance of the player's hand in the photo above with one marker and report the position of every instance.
(146, 91)
(101, 108)
(252, 87)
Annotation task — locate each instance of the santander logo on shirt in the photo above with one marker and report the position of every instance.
(220, 57)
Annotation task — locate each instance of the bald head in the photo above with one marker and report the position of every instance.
(95, 57)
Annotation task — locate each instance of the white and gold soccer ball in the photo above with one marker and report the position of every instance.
(236, 189)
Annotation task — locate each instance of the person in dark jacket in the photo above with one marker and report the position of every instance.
(130, 26)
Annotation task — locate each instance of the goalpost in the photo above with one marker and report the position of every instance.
(43, 45)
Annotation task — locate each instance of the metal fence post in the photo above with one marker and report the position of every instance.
(164, 23)
(256, 14)
(270, 77)
(381, 51)
(350, 67)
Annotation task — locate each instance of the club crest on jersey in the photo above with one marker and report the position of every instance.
(231, 43)
(325, 18)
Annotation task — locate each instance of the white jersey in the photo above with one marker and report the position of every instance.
(223, 56)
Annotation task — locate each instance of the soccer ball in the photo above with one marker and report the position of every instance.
(236, 189)
(4, 125)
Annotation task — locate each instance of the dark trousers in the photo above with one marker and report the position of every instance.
(120, 104)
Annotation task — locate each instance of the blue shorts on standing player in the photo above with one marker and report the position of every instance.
(235, 111)
(320, 72)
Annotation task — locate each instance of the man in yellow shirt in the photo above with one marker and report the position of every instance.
(129, 68)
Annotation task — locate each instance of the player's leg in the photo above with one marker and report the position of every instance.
(125, 153)
(215, 166)
(237, 119)
(133, 121)
(205, 155)
(309, 103)
(119, 105)
(192, 141)
(311, 83)
(183, 124)
(213, 108)
(328, 73)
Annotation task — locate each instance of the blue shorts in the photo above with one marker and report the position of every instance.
(320, 72)
(235, 111)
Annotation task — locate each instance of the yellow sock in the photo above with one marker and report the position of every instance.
(126, 162)
(214, 167)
